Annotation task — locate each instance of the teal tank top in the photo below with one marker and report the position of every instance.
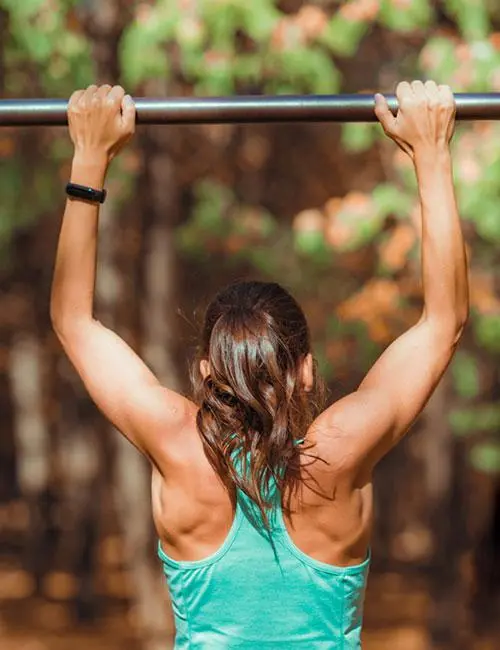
(259, 591)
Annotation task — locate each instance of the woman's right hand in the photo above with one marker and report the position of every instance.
(425, 119)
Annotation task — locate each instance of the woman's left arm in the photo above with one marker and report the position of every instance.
(101, 121)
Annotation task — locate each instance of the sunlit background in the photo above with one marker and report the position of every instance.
(329, 211)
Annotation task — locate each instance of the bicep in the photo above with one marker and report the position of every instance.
(124, 389)
(394, 392)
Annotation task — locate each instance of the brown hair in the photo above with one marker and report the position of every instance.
(253, 408)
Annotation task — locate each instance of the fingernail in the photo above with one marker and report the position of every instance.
(128, 99)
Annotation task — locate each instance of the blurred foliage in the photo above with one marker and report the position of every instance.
(228, 46)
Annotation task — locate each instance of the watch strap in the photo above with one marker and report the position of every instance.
(85, 193)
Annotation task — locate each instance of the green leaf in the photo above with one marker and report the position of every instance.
(465, 374)
(485, 457)
(307, 70)
(357, 138)
(487, 332)
(142, 47)
(488, 224)
(222, 20)
(406, 17)
(25, 9)
(484, 418)
(439, 57)
(390, 200)
(259, 18)
(342, 36)
(471, 16)
(310, 242)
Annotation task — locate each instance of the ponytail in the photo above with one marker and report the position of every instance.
(252, 405)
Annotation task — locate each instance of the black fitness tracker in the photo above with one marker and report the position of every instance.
(85, 193)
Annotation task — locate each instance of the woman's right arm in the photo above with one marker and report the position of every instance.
(374, 418)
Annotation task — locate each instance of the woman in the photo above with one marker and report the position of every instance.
(264, 511)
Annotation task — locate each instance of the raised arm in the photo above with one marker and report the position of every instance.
(101, 121)
(396, 389)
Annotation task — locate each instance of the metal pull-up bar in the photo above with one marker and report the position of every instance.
(239, 109)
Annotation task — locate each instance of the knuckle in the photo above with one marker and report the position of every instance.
(409, 100)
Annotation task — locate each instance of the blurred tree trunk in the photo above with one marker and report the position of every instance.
(444, 470)
(486, 602)
(79, 470)
(32, 447)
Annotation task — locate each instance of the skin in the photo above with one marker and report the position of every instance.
(332, 514)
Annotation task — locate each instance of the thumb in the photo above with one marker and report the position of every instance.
(128, 113)
(383, 113)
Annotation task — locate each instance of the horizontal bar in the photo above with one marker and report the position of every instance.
(240, 109)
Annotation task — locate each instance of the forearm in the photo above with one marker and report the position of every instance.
(444, 267)
(74, 275)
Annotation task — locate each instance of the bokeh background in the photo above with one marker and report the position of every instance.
(330, 211)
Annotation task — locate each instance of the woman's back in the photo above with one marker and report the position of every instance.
(331, 514)
(233, 583)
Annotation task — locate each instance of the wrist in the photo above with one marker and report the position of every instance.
(97, 155)
(432, 156)
(89, 168)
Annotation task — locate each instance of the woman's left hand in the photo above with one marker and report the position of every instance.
(101, 120)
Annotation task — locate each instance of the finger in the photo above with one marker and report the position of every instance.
(404, 92)
(102, 91)
(116, 94)
(432, 93)
(75, 98)
(403, 88)
(128, 114)
(431, 86)
(446, 94)
(447, 99)
(383, 113)
(418, 90)
(86, 98)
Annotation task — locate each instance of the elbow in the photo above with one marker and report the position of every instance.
(67, 326)
(68, 315)
(459, 330)
(58, 318)
(449, 327)
(59, 326)
(56, 312)
(461, 318)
